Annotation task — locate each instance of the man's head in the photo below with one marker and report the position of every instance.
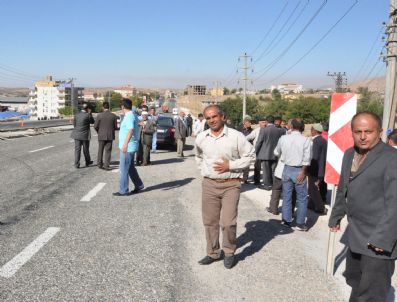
(152, 111)
(247, 122)
(270, 119)
(262, 122)
(283, 124)
(200, 116)
(316, 129)
(392, 138)
(182, 114)
(277, 121)
(145, 115)
(106, 105)
(144, 108)
(296, 124)
(126, 104)
(214, 117)
(367, 130)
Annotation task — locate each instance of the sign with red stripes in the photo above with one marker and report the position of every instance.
(343, 108)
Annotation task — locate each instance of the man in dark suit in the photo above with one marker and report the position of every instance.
(146, 130)
(82, 135)
(105, 125)
(316, 172)
(180, 133)
(264, 149)
(367, 194)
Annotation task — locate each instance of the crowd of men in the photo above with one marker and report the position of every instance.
(291, 164)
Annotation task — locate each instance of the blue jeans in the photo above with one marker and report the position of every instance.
(289, 183)
(127, 168)
(154, 141)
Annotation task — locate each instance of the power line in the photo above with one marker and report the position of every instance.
(271, 27)
(316, 44)
(368, 55)
(288, 29)
(275, 61)
(278, 33)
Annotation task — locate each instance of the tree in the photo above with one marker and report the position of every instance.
(233, 107)
(276, 95)
(233, 91)
(226, 91)
(115, 101)
(98, 106)
(67, 111)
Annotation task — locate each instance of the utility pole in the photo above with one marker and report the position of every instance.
(340, 80)
(217, 84)
(72, 94)
(245, 79)
(389, 106)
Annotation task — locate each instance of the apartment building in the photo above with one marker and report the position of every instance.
(50, 95)
(288, 88)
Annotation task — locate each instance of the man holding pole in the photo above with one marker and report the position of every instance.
(367, 194)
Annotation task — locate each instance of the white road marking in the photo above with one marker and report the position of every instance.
(115, 171)
(41, 149)
(93, 192)
(12, 266)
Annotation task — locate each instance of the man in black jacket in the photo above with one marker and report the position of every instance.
(316, 171)
(105, 125)
(367, 194)
(82, 135)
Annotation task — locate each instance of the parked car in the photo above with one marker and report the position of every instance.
(166, 131)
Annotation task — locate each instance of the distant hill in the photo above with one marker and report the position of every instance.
(374, 84)
(18, 92)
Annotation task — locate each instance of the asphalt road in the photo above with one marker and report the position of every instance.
(74, 241)
(15, 126)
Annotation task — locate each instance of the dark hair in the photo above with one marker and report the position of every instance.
(126, 103)
(270, 119)
(277, 118)
(200, 115)
(393, 136)
(371, 114)
(220, 111)
(106, 105)
(296, 124)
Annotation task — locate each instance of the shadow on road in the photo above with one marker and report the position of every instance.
(170, 185)
(167, 161)
(258, 233)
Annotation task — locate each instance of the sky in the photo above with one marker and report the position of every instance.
(174, 43)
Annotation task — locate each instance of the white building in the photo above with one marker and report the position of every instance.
(49, 96)
(288, 88)
(126, 91)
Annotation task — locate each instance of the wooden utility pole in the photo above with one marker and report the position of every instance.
(390, 101)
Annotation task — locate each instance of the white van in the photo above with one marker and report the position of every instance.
(175, 111)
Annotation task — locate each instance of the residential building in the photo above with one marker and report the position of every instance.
(50, 95)
(287, 88)
(126, 91)
(219, 91)
(196, 89)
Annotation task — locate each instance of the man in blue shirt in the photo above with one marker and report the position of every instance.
(128, 144)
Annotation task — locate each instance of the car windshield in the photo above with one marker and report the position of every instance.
(165, 122)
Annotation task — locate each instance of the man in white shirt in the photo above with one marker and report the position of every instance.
(198, 125)
(222, 154)
(294, 151)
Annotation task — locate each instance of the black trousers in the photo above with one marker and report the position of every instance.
(276, 195)
(107, 146)
(257, 171)
(369, 277)
(77, 151)
(317, 194)
(268, 167)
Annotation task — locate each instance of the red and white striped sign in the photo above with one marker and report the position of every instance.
(343, 108)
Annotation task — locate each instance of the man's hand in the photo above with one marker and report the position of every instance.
(221, 167)
(376, 249)
(124, 148)
(301, 177)
(335, 228)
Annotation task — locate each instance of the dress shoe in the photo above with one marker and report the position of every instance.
(137, 190)
(77, 166)
(229, 262)
(121, 194)
(208, 260)
(271, 211)
(107, 168)
(87, 164)
(101, 167)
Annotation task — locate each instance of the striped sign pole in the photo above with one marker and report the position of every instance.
(343, 108)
